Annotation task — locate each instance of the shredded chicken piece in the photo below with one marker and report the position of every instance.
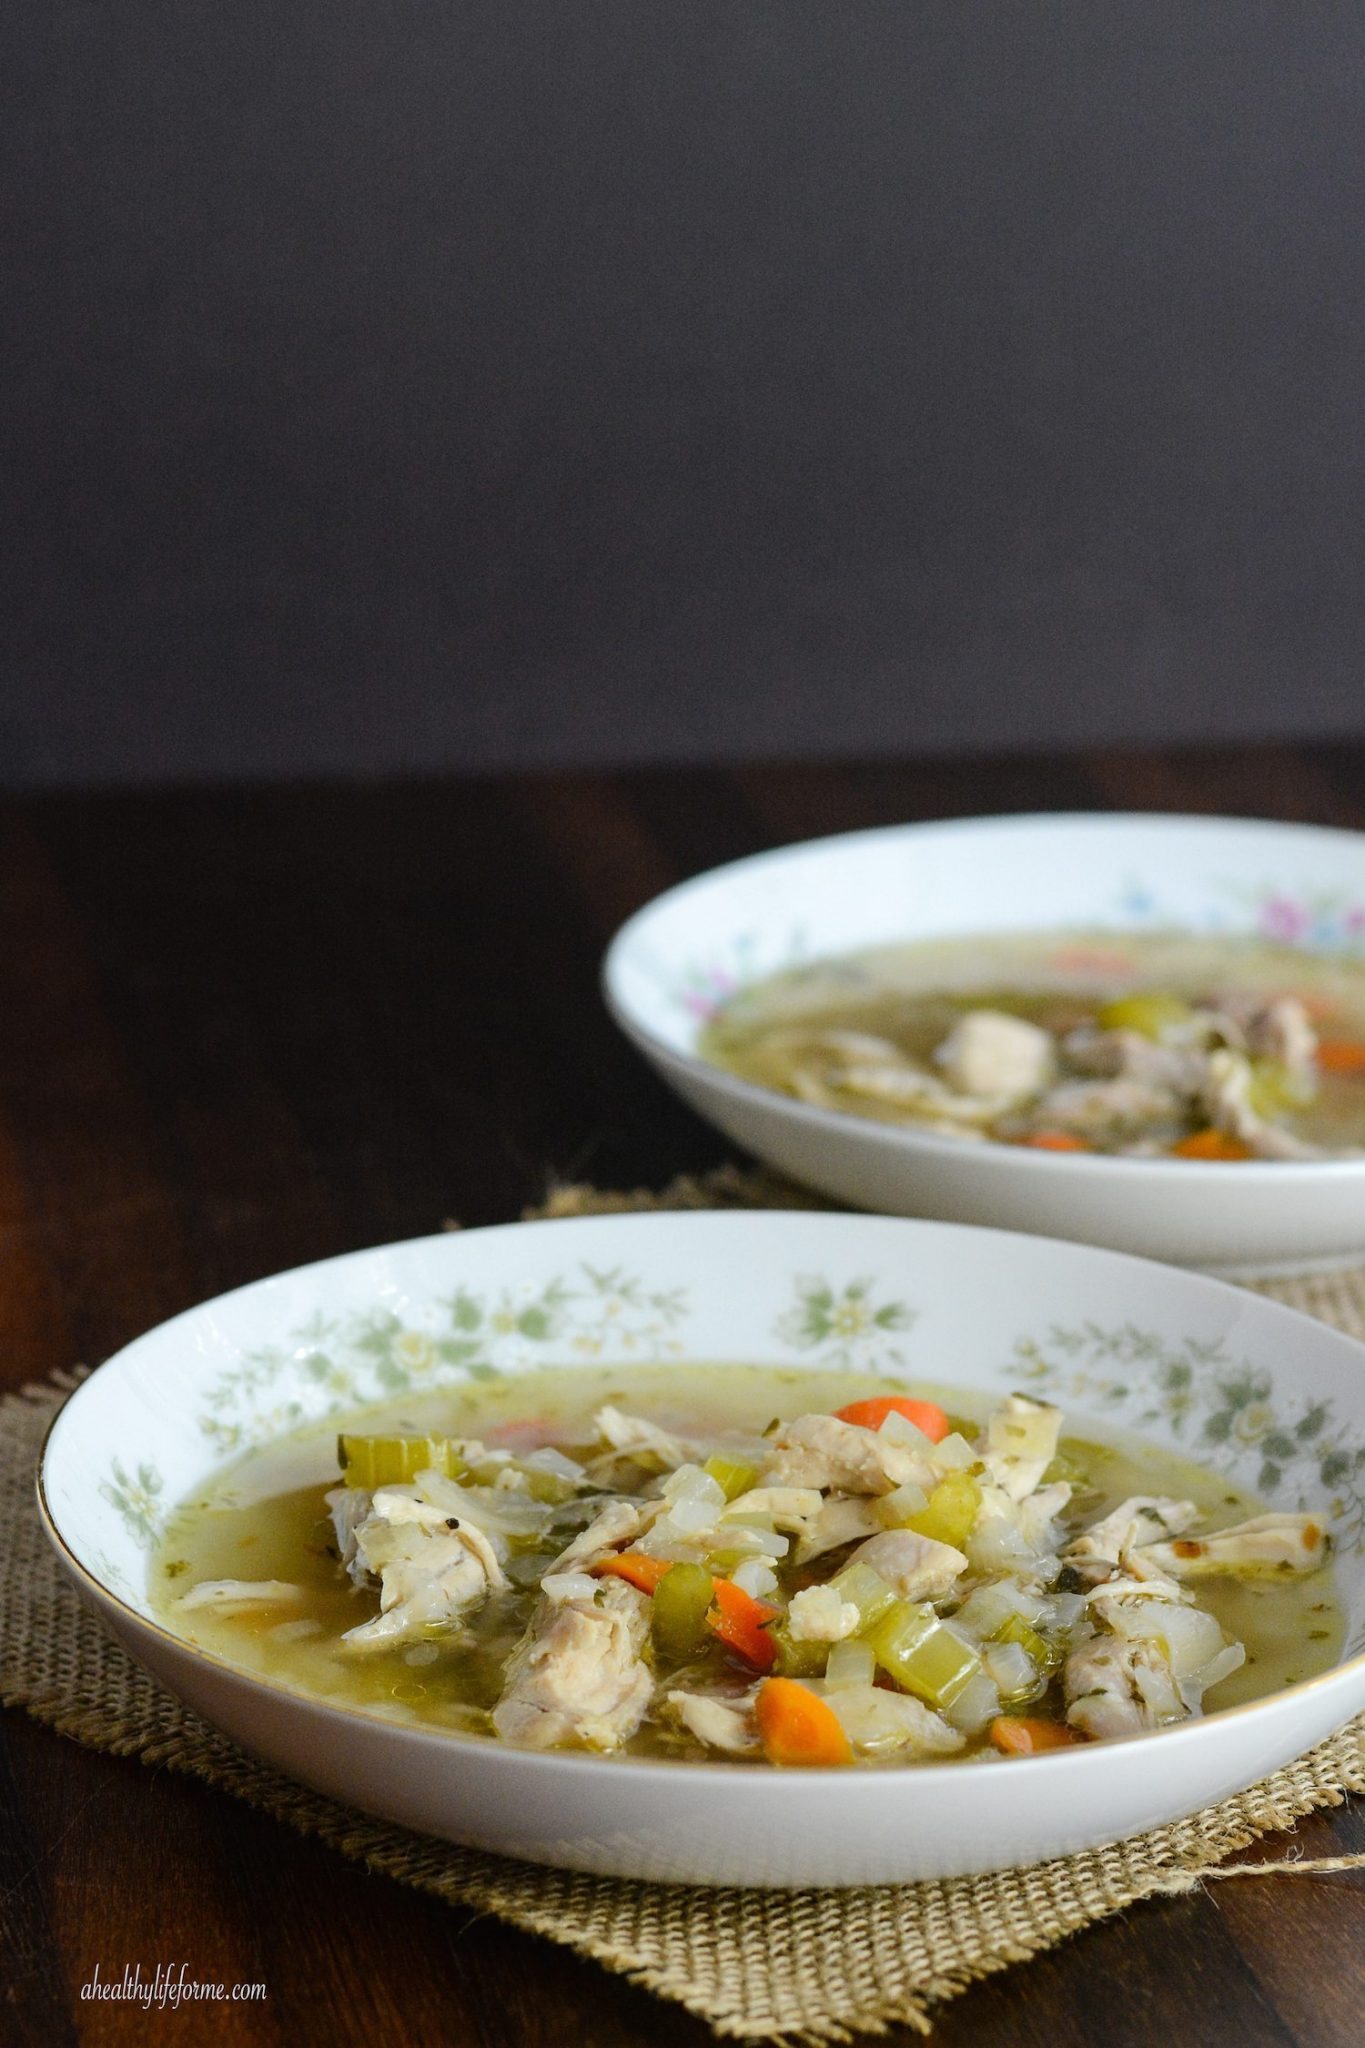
(844, 1518)
(1115, 1687)
(1280, 1029)
(991, 1053)
(349, 1505)
(820, 1451)
(916, 1566)
(720, 1724)
(640, 1438)
(1038, 1512)
(1266, 1545)
(433, 1566)
(1021, 1442)
(1226, 1102)
(1117, 1542)
(619, 1523)
(577, 1676)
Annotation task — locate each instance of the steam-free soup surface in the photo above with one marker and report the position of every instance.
(899, 1671)
(1191, 1046)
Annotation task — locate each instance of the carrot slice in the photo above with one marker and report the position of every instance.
(1341, 1056)
(634, 1567)
(1028, 1734)
(796, 1726)
(926, 1415)
(1056, 1141)
(1211, 1145)
(737, 1618)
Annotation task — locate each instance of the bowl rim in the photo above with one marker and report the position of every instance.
(1284, 1174)
(667, 1771)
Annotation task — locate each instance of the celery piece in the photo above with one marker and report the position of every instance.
(1151, 1015)
(867, 1590)
(678, 1612)
(1017, 1630)
(915, 1649)
(951, 1512)
(731, 1475)
(797, 1658)
(372, 1461)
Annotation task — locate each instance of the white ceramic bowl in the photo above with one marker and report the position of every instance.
(1260, 1393)
(684, 954)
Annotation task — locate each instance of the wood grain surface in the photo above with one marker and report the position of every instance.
(244, 1028)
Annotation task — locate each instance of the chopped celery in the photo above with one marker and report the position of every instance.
(797, 1658)
(679, 1608)
(1151, 1015)
(731, 1475)
(1017, 1630)
(921, 1654)
(984, 1612)
(952, 1509)
(895, 1509)
(372, 1461)
(867, 1590)
(852, 1663)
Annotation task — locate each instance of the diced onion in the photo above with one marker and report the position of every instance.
(901, 1430)
(895, 1509)
(977, 1703)
(850, 1664)
(954, 1453)
(755, 1578)
(690, 1483)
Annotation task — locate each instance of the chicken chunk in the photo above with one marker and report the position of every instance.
(993, 1054)
(916, 1566)
(577, 1676)
(228, 1596)
(1226, 1100)
(1279, 1030)
(720, 1724)
(1118, 1687)
(1117, 1543)
(820, 1451)
(1267, 1545)
(619, 1523)
(639, 1438)
(844, 1518)
(433, 1567)
(1020, 1443)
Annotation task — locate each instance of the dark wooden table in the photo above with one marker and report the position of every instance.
(246, 1028)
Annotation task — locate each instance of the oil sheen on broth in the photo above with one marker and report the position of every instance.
(264, 1518)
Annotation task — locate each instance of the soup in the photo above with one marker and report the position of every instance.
(744, 1563)
(1149, 1045)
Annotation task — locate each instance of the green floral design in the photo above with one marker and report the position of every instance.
(137, 1499)
(1223, 1409)
(845, 1325)
(332, 1364)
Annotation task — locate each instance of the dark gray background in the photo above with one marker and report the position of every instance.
(402, 383)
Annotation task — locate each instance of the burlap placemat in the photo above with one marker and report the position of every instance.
(795, 1967)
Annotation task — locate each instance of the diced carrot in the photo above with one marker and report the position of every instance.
(797, 1727)
(633, 1566)
(1028, 1734)
(529, 1433)
(737, 1618)
(1341, 1056)
(1056, 1141)
(926, 1415)
(1211, 1145)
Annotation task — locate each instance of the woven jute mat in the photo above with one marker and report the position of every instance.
(791, 1967)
